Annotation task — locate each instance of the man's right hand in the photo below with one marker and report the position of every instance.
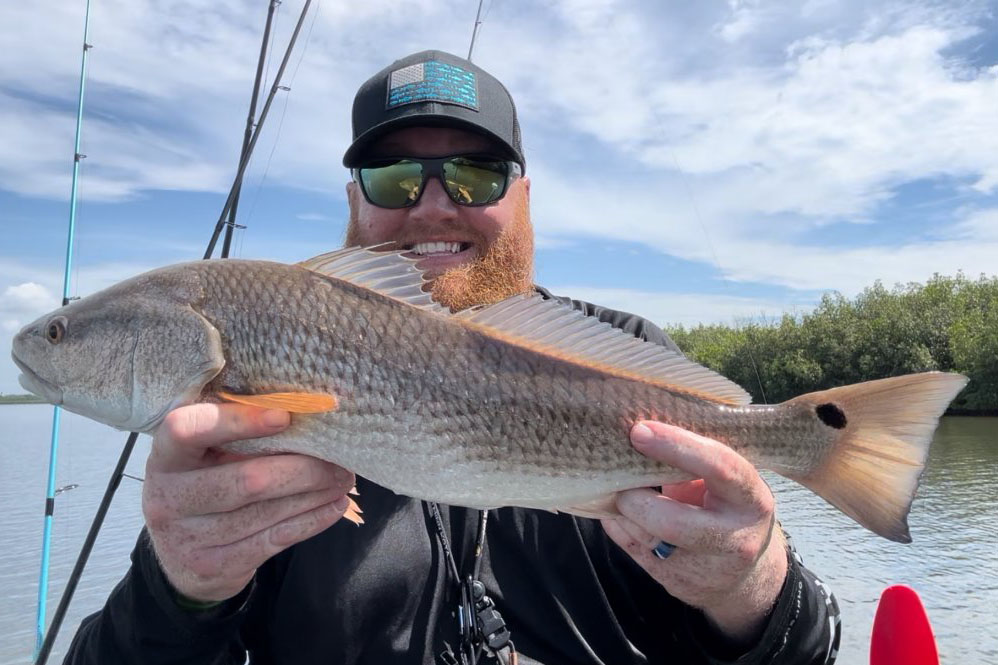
(215, 517)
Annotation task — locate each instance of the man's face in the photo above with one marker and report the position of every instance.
(495, 242)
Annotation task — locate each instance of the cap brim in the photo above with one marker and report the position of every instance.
(355, 153)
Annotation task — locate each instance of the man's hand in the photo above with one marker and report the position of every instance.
(730, 561)
(215, 517)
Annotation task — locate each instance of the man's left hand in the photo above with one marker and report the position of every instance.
(730, 558)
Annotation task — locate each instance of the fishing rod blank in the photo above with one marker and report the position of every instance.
(95, 526)
(43, 575)
(474, 30)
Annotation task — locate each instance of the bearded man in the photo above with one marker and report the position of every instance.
(250, 555)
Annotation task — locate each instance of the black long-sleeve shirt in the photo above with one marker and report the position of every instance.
(382, 594)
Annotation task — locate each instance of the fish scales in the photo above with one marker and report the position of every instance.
(450, 397)
(477, 409)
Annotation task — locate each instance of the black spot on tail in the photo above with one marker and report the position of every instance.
(831, 415)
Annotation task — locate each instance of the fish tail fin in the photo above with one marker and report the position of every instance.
(872, 469)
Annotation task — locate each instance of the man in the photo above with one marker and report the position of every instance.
(251, 554)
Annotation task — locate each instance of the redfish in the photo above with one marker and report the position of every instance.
(523, 403)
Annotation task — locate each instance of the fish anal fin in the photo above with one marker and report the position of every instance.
(353, 512)
(292, 401)
(598, 508)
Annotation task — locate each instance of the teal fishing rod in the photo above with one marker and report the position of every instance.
(43, 576)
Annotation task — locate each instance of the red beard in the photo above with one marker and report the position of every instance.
(505, 269)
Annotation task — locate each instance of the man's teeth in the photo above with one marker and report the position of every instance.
(436, 247)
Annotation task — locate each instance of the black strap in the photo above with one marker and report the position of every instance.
(480, 625)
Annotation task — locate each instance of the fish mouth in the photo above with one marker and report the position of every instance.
(36, 384)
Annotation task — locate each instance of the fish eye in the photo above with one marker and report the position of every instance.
(56, 330)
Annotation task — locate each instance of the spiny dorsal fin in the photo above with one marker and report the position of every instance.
(550, 326)
(546, 325)
(374, 268)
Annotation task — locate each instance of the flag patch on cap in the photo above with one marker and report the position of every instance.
(432, 81)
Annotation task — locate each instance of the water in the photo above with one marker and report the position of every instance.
(87, 455)
(952, 563)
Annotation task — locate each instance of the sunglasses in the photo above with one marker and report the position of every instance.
(469, 180)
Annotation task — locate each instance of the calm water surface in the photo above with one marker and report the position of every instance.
(953, 561)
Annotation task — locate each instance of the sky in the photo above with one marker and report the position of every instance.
(690, 162)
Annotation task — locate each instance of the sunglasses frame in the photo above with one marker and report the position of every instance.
(433, 167)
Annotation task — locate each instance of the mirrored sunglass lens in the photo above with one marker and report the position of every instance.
(393, 185)
(474, 181)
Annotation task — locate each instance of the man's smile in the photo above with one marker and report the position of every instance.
(437, 256)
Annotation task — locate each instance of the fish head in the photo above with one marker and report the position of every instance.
(124, 356)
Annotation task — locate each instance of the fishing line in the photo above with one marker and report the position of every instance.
(233, 201)
(717, 262)
(242, 237)
(266, 79)
(284, 111)
(270, 51)
(244, 159)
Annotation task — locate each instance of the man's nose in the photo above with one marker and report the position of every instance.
(434, 205)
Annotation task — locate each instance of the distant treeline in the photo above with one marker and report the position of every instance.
(20, 399)
(947, 324)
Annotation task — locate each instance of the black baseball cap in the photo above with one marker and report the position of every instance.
(436, 89)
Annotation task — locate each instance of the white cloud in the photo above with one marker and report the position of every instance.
(854, 106)
(26, 294)
(28, 291)
(718, 133)
(688, 309)
(980, 226)
(827, 133)
(20, 303)
(745, 17)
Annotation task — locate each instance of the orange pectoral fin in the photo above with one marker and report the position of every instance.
(293, 402)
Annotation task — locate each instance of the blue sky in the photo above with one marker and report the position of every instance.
(709, 161)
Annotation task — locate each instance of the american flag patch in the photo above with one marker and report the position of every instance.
(432, 81)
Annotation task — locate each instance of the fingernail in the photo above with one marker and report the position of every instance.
(642, 434)
(275, 418)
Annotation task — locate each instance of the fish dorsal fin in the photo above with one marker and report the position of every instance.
(545, 325)
(552, 327)
(378, 269)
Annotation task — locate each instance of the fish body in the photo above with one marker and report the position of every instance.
(524, 403)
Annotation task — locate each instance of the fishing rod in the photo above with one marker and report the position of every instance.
(244, 159)
(43, 575)
(42, 653)
(474, 30)
(250, 121)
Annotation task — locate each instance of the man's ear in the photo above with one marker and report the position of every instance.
(526, 185)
